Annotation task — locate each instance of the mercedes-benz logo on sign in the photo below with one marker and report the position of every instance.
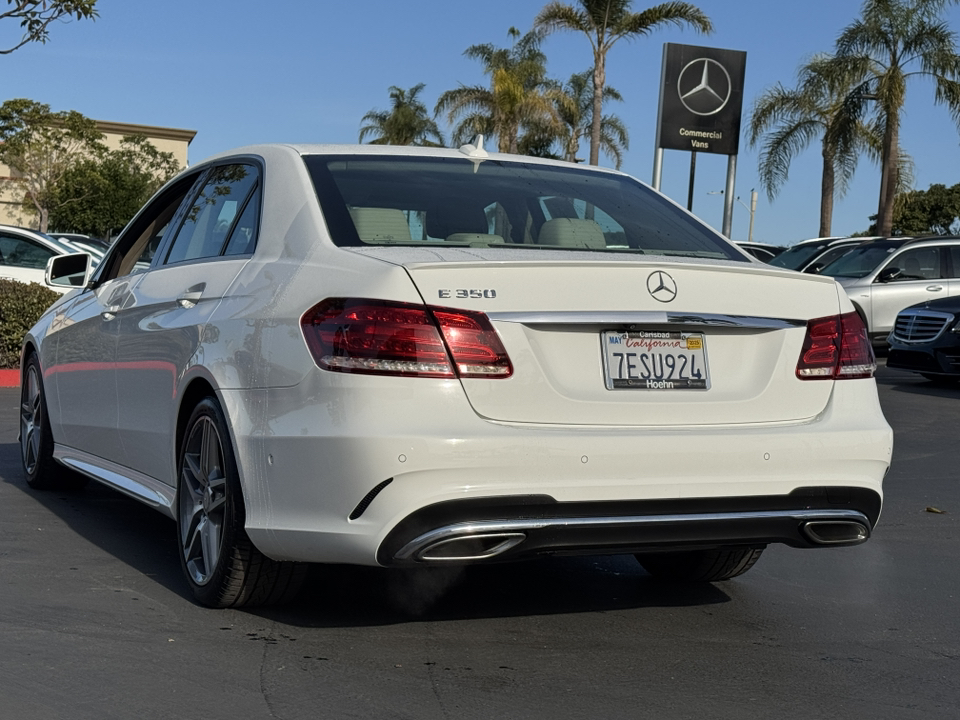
(704, 86)
(661, 286)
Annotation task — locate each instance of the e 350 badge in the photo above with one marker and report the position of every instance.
(463, 294)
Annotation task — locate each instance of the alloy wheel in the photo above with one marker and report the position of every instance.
(202, 501)
(31, 420)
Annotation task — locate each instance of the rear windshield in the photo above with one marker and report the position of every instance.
(490, 203)
(861, 261)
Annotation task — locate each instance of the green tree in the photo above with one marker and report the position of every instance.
(604, 22)
(576, 114)
(99, 194)
(934, 211)
(41, 146)
(520, 95)
(406, 123)
(36, 15)
(785, 121)
(893, 43)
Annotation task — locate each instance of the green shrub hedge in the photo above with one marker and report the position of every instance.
(21, 305)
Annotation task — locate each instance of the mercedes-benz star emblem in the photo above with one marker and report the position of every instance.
(661, 286)
(704, 86)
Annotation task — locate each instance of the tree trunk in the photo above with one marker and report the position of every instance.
(888, 175)
(827, 186)
(599, 80)
(573, 147)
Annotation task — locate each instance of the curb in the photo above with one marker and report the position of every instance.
(9, 378)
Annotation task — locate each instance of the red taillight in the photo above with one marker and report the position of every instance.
(388, 338)
(474, 344)
(836, 348)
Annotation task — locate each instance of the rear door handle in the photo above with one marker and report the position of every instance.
(191, 296)
(189, 299)
(934, 288)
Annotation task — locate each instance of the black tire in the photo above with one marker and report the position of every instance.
(41, 471)
(700, 565)
(221, 564)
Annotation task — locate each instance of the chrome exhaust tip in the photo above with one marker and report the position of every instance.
(468, 547)
(836, 532)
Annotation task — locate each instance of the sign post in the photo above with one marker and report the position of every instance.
(701, 103)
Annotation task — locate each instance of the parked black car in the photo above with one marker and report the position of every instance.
(811, 256)
(761, 251)
(926, 340)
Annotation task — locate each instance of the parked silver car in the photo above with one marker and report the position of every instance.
(883, 276)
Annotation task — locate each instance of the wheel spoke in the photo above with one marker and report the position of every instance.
(210, 543)
(192, 472)
(218, 488)
(193, 551)
(191, 515)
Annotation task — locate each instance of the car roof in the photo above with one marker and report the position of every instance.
(897, 242)
(464, 151)
(29, 232)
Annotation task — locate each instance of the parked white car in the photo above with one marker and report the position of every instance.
(411, 356)
(24, 254)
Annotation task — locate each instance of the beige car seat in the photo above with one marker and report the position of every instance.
(570, 232)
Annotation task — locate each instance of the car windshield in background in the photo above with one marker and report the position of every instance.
(861, 261)
(796, 257)
(490, 203)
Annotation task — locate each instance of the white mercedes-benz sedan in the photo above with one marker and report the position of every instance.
(406, 357)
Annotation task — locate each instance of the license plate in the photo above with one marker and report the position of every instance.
(655, 360)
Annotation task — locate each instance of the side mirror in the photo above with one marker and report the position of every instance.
(889, 273)
(815, 268)
(71, 271)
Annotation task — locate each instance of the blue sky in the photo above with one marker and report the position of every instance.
(241, 72)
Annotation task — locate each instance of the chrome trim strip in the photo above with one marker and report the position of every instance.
(646, 318)
(413, 548)
(130, 482)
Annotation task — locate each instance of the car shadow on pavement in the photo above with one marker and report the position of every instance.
(909, 382)
(341, 596)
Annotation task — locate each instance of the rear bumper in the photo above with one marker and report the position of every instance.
(933, 360)
(513, 528)
(354, 475)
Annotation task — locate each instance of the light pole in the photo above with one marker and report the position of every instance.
(752, 208)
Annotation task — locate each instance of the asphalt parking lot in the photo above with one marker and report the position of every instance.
(96, 621)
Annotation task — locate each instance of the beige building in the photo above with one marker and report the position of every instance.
(172, 140)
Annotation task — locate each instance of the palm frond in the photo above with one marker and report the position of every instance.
(680, 14)
(779, 149)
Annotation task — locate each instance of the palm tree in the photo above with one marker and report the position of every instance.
(519, 96)
(604, 22)
(576, 113)
(407, 122)
(785, 121)
(893, 42)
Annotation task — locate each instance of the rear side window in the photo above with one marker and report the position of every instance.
(243, 237)
(210, 221)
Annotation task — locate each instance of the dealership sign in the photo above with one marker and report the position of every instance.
(701, 99)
